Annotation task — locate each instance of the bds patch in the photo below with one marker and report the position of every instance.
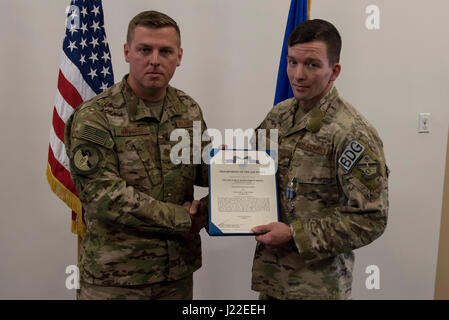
(86, 159)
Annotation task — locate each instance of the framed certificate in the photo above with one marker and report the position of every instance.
(242, 191)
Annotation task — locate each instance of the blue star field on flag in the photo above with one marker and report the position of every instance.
(86, 45)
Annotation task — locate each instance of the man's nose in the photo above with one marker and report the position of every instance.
(300, 73)
(154, 58)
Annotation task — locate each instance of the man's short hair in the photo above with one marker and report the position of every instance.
(152, 19)
(318, 30)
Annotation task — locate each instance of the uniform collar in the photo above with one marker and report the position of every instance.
(138, 110)
(312, 121)
(173, 105)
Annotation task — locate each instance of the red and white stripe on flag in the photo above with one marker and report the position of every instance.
(85, 70)
(71, 92)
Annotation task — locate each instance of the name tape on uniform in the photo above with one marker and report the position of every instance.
(352, 153)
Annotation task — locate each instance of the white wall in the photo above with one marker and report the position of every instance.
(231, 55)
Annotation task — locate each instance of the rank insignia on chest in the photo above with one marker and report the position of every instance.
(86, 159)
(369, 167)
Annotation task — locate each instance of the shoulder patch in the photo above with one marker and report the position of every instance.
(352, 153)
(86, 159)
(94, 135)
(369, 167)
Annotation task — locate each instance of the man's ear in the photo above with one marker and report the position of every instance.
(126, 52)
(180, 52)
(335, 71)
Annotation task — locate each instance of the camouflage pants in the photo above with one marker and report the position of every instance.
(264, 296)
(170, 290)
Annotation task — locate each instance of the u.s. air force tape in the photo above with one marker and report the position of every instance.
(86, 159)
(352, 153)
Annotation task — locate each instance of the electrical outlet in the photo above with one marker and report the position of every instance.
(423, 124)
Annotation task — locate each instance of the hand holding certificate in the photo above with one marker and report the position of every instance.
(242, 191)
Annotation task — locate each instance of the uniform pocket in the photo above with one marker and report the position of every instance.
(188, 172)
(148, 161)
(315, 175)
(316, 184)
(131, 162)
(312, 168)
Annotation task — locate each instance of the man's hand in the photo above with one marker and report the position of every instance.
(187, 205)
(198, 216)
(273, 235)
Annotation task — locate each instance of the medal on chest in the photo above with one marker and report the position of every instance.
(290, 194)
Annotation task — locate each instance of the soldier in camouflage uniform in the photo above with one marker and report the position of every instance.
(332, 179)
(142, 239)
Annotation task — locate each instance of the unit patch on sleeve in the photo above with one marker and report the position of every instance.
(86, 159)
(352, 153)
(369, 167)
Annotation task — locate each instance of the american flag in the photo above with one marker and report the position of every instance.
(85, 70)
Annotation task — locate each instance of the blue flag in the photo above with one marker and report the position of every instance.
(297, 14)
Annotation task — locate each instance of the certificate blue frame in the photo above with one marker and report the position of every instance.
(212, 229)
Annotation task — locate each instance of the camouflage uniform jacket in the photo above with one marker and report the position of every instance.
(341, 200)
(131, 192)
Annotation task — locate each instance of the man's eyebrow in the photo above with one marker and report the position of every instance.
(313, 60)
(144, 45)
